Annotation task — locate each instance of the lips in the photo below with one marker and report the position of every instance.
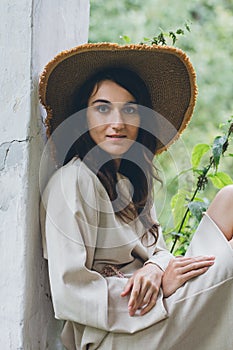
(116, 136)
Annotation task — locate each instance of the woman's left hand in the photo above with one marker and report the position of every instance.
(144, 287)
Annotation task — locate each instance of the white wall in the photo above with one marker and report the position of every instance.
(31, 33)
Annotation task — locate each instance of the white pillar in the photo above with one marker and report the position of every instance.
(32, 32)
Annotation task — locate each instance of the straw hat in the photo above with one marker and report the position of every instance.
(167, 72)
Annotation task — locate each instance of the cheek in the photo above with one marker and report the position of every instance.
(135, 133)
(90, 121)
(92, 126)
(97, 132)
(134, 129)
(94, 121)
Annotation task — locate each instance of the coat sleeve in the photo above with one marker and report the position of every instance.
(69, 215)
(161, 256)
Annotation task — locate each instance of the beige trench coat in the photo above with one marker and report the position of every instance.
(81, 235)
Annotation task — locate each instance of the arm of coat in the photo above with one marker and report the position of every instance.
(160, 255)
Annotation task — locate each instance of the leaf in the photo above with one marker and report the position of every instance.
(162, 39)
(178, 203)
(180, 31)
(218, 148)
(197, 208)
(125, 38)
(220, 179)
(198, 171)
(180, 251)
(203, 200)
(198, 152)
(173, 36)
(155, 40)
(187, 27)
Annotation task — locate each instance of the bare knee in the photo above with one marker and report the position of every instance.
(221, 210)
(224, 197)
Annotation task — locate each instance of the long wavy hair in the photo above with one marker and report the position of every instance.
(136, 164)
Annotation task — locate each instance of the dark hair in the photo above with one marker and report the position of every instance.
(137, 163)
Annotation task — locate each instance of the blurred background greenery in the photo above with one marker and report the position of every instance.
(210, 47)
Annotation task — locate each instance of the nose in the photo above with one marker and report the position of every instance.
(118, 122)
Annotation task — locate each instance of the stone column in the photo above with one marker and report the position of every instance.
(32, 32)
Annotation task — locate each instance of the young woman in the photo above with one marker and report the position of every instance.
(110, 110)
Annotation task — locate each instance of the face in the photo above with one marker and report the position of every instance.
(113, 118)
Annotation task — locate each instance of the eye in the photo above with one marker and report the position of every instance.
(102, 108)
(130, 109)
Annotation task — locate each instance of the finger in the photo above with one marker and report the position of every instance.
(143, 298)
(152, 290)
(147, 291)
(193, 257)
(196, 266)
(135, 292)
(194, 273)
(149, 299)
(203, 258)
(180, 261)
(150, 304)
(127, 288)
(138, 293)
(183, 261)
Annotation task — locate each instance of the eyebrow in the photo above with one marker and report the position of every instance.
(100, 100)
(106, 101)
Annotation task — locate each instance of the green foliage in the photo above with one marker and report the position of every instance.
(217, 149)
(178, 204)
(163, 38)
(221, 179)
(187, 209)
(197, 208)
(198, 152)
(126, 39)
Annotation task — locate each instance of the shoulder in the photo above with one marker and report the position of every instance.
(73, 173)
(73, 180)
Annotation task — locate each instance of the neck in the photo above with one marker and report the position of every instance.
(117, 162)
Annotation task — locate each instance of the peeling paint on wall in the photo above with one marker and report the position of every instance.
(33, 29)
(11, 153)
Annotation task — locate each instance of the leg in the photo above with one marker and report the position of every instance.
(221, 211)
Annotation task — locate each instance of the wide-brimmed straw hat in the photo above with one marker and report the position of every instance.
(167, 72)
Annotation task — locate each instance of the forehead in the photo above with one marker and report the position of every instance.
(110, 91)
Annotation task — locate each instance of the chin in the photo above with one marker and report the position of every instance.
(117, 153)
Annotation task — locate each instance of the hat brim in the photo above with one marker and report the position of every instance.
(167, 72)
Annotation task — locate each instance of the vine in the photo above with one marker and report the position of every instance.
(163, 38)
(194, 207)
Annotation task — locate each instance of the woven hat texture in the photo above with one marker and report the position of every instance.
(167, 72)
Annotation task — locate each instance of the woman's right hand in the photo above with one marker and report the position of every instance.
(182, 269)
